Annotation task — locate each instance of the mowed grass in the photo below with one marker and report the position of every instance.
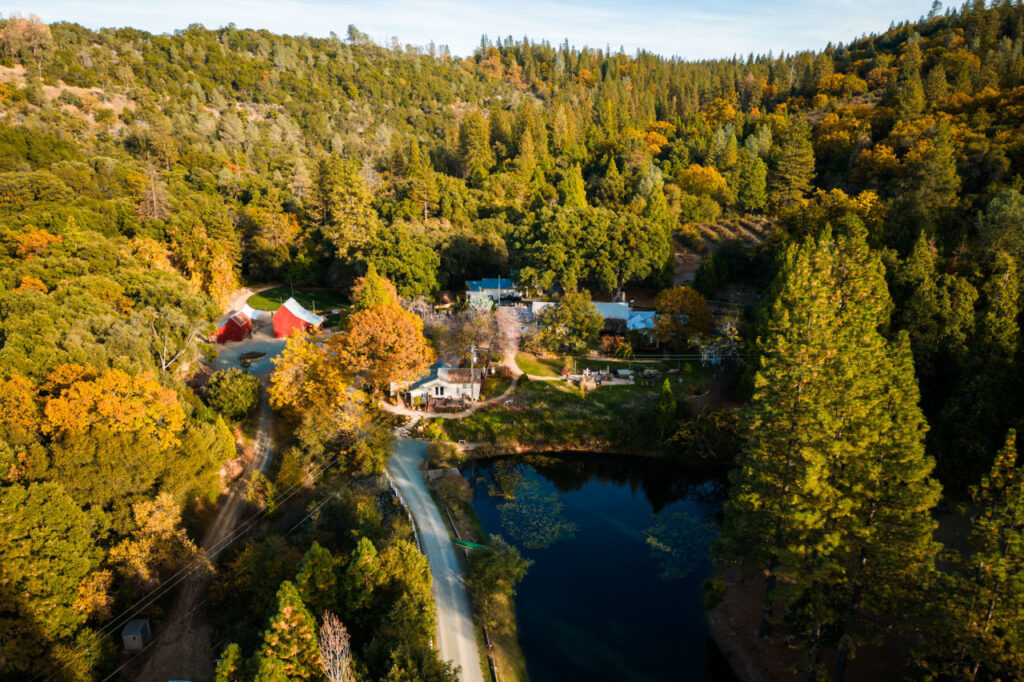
(553, 413)
(542, 367)
(320, 299)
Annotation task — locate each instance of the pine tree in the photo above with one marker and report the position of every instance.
(998, 331)
(927, 191)
(911, 97)
(665, 410)
(978, 408)
(752, 182)
(422, 183)
(231, 666)
(833, 494)
(339, 206)
(316, 580)
(475, 155)
(919, 302)
(889, 546)
(612, 187)
(793, 166)
(984, 596)
(289, 650)
(910, 91)
(362, 576)
(574, 195)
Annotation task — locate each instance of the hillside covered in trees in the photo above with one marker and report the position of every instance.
(144, 177)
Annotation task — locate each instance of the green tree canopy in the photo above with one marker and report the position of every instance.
(233, 393)
(572, 325)
(832, 495)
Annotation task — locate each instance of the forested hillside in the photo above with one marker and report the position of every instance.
(144, 177)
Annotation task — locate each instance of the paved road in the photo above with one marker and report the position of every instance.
(456, 638)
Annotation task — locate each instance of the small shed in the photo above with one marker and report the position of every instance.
(233, 327)
(135, 634)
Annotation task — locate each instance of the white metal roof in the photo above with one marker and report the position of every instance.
(252, 312)
(298, 311)
(613, 311)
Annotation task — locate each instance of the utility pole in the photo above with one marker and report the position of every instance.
(472, 368)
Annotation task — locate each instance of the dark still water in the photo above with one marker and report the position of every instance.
(620, 549)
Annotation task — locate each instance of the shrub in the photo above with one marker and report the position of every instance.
(454, 491)
(434, 430)
(233, 393)
(441, 454)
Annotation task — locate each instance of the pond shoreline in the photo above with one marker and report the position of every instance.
(477, 452)
(615, 499)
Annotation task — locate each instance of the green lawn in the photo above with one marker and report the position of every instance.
(542, 367)
(494, 386)
(554, 414)
(321, 299)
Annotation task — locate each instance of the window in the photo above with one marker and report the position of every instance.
(439, 391)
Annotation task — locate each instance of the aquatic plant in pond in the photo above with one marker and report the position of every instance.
(680, 543)
(533, 515)
(596, 604)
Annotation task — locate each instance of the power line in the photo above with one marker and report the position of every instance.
(222, 640)
(186, 571)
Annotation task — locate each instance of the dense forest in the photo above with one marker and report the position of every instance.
(144, 177)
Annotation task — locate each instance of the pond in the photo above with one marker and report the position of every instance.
(620, 550)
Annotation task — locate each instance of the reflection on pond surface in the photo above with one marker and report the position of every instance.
(620, 549)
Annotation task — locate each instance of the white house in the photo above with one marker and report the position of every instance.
(446, 383)
(494, 288)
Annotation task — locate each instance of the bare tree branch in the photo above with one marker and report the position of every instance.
(335, 652)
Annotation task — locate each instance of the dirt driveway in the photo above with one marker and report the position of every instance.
(261, 342)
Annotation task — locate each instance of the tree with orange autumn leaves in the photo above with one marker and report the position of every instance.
(380, 343)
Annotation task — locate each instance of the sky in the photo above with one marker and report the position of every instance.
(692, 29)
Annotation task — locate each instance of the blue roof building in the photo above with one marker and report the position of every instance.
(494, 288)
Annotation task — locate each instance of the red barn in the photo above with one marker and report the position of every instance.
(292, 316)
(233, 327)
